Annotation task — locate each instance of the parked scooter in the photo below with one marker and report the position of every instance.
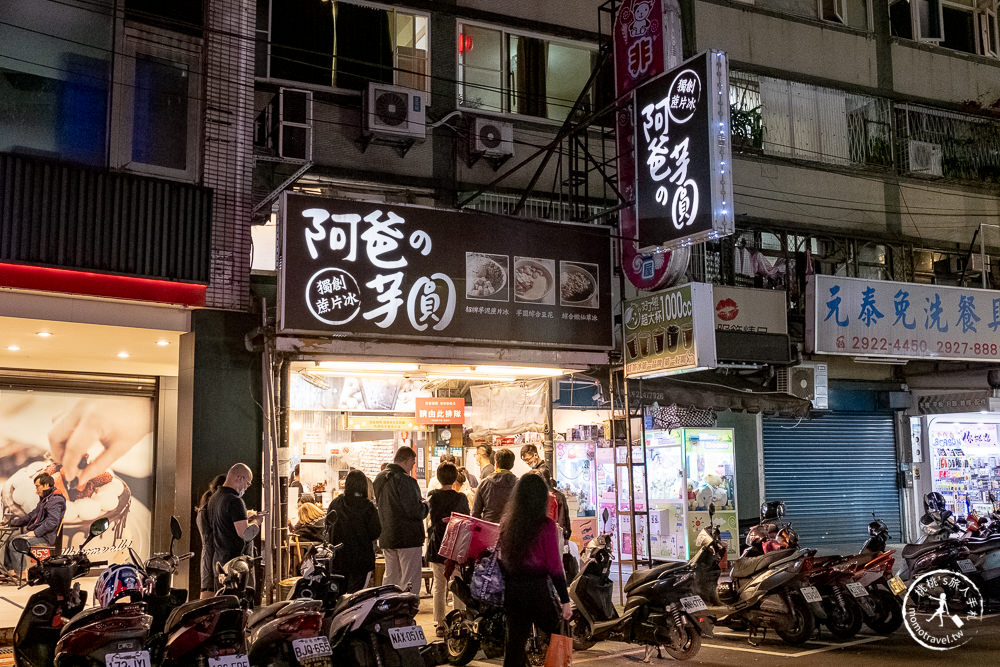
(661, 608)
(872, 570)
(482, 625)
(47, 610)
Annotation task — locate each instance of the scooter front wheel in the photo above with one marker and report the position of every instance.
(685, 644)
(581, 639)
(844, 620)
(462, 646)
(801, 623)
(888, 614)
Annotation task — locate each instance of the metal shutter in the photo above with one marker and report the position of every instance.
(832, 470)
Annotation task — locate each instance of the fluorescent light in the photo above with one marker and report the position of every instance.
(13, 348)
(470, 376)
(531, 371)
(362, 366)
(163, 342)
(123, 355)
(44, 334)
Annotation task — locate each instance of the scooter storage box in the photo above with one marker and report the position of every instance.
(467, 538)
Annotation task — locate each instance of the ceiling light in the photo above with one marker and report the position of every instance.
(490, 378)
(13, 348)
(163, 342)
(44, 334)
(123, 355)
(363, 366)
(530, 371)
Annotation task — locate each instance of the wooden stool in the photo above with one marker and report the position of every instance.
(427, 575)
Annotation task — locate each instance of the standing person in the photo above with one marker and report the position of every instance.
(493, 492)
(42, 523)
(484, 457)
(443, 502)
(401, 511)
(529, 454)
(356, 527)
(207, 541)
(444, 458)
(532, 566)
(231, 525)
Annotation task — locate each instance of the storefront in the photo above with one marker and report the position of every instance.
(400, 325)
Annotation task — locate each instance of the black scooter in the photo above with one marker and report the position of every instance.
(47, 610)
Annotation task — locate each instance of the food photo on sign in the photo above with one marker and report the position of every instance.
(98, 449)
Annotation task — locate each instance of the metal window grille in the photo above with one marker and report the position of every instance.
(963, 146)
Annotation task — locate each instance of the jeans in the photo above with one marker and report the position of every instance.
(14, 560)
(441, 593)
(403, 568)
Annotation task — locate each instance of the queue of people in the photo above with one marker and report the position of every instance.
(409, 530)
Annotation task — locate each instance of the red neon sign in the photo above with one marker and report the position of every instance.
(67, 281)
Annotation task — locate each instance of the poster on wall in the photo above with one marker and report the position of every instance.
(671, 331)
(684, 188)
(99, 449)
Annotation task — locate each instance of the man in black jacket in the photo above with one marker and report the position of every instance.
(401, 511)
(42, 522)
(494, 491)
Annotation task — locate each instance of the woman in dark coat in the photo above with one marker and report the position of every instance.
(207, 544)
(357, 527)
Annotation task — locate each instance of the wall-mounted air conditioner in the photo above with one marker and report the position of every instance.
(492, 137)
(392, 111)
(924, 158)
(293, 120)
(808, 381)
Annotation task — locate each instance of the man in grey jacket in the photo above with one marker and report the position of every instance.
(401, 511)
(494, 491)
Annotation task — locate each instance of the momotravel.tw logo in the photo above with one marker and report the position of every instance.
(942, 610)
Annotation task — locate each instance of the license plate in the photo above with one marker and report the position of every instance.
(130, 659)
(310, 647)
(693, 603)
(896, 585)
(857, 590)
(965, 565)
(237, 660)
(811, 594)
(410, 635)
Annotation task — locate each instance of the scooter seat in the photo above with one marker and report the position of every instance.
(199, 607)
(93, 615)
(264, 613)
(746, 567)
(915, 550)
(640, 577)
(978, 546)
(351, 599)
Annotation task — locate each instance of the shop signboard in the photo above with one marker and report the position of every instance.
(747, 310)
(406, 272)
(875, 318)
(684, 189)
(670, 332)
(444, 410)
(379, 423)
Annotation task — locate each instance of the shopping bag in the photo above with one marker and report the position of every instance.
(560, 653)
(487, 579)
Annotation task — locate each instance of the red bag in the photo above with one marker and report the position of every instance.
(484, 536)
(560, 653)
(553, 509)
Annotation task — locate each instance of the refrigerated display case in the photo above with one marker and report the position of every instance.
(688, 470)
(576, 477)
(965, 459)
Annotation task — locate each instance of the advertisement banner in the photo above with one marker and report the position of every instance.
(407, 272)
(876, 318)
(440, 411)
(670, 332)
(748, 310)
(38, 430)
(684, 191)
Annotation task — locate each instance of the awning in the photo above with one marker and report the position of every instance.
(718, 392)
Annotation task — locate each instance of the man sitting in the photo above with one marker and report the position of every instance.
(42, 523)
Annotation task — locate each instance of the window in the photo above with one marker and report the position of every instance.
(522, 74)
(833, 10)
(341, 44)
(178, 15)
(987, 21)
(959, 28)
(155, 105)
(962, 25)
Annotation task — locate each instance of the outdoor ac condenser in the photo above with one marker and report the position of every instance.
(808, 381)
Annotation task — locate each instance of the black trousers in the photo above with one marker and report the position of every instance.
(527, 601)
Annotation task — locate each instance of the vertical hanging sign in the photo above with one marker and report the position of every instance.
(684, 192)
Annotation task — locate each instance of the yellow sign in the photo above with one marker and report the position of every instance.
(381, 423)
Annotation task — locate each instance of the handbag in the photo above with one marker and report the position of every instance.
(560, 652)
(487, 579)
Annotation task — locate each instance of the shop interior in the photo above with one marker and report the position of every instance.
(964, 454)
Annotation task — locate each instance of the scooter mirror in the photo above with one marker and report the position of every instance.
(175, 528)
(21, 545)
(99, 526)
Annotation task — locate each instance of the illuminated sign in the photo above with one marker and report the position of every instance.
(684, 189)
(443, 411)
(380, 423)
(670, 332)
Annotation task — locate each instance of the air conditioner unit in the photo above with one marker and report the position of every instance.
(493, 138)
(978, 262)
(924, 158)
(292, 131)
(808, 381)
(395, 112)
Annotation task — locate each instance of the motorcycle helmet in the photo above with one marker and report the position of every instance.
(117, 582)
(771, 510)
(877, 527)
(235, 574)
(757, 534)
(934, 502)
(787, 538)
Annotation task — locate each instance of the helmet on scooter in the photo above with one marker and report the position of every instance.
(934, 502)
(117, 582)
(774, 509)
(877, 528)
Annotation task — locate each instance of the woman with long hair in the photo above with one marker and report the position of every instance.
(312, 523)
(532, 567)
(207, 544)
(357, 527)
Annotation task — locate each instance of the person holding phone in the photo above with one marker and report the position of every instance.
(231, 525)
